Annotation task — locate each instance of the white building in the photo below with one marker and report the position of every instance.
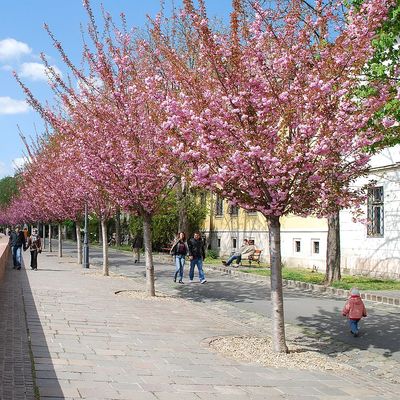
(373, 248)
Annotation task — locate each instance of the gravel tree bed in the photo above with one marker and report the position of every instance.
(142, 295)
(259, 350)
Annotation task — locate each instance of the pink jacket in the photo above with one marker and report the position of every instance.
(354, 308)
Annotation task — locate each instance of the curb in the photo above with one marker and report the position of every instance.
(377, 298)
(343, 293)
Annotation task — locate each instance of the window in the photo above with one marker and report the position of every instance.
(375, 212)
(233, 210)
(234, 243)
(219, 205)
(219, 242)
(297, 246)
(251, 212)
(203, 199)
(315, 246)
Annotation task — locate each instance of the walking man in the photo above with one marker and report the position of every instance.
(17, 241)
(196, 255)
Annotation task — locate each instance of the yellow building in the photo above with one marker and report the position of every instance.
(303, 240)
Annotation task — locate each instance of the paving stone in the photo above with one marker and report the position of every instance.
(89, 343)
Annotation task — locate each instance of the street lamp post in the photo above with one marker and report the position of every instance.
(86, 241)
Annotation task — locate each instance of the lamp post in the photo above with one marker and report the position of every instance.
(86, 241)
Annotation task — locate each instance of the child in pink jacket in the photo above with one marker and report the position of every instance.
(355, 310)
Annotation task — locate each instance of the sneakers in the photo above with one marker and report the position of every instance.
(181, 282)
(18, 267)
(191, 281)
(224, 262)
(203, 281)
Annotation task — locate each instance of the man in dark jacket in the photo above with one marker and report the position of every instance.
(196, 255)
(17, 242)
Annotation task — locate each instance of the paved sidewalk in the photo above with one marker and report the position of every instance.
(16, 381)
(89, 343)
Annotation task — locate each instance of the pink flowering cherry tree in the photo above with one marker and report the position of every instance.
(268, 113)
(114, 124)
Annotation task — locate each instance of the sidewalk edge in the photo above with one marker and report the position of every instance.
(377, 298)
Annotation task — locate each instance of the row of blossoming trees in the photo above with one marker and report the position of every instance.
(265, 112)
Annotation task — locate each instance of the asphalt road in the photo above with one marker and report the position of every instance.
(380, 331)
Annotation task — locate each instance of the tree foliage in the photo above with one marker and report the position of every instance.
(8, 190)
(166, 221)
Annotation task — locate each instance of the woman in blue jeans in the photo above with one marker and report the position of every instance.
(179, 250)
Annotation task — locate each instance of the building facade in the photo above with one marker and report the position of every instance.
(303, 240)
(371, 247)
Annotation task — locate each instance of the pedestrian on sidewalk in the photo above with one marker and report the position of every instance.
(245, 251)
(179, 250)
(354, 309)
(197, 254)
(137, 244)
(35, 247)
(17, 243)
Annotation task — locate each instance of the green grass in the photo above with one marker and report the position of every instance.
(347, 281)
(365, 283)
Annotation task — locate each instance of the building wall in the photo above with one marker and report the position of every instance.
(376, 256)
(360, 254)
(226, 231)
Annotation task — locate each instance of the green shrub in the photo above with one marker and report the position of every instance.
(213, 254)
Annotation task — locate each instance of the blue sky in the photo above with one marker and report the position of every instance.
(22, 39)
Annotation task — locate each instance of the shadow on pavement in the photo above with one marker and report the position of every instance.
(380, 332)
(21, 334)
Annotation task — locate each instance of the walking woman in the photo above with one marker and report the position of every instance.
(179, 250)
(35, 247)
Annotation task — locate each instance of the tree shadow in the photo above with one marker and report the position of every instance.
(27, 365)
(379, 332)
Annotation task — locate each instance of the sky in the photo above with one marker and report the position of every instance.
(23, 38)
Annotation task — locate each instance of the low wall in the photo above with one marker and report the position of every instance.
(4, 254)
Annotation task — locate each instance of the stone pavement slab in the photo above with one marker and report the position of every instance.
(89, 343)
(16, 380)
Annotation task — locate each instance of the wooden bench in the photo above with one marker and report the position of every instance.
(254, 258)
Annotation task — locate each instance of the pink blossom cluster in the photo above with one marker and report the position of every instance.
(266, 113)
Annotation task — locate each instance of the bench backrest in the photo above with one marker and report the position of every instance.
(256, 255)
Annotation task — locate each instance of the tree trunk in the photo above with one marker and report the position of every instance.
(78, 241)
(59, 240)
(148, 253)
(333, 250)
(50, 246)
(44, 236)
(106, 271)
(182, 198)
(278, 320)
(100, 233)
(118, 227)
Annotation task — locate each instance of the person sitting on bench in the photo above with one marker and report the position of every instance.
(244, 252)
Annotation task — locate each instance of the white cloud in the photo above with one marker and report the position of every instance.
(6, 67)
(36, 71)
(19, 162)
(6, 170)
(12, 106)
(11, 49)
